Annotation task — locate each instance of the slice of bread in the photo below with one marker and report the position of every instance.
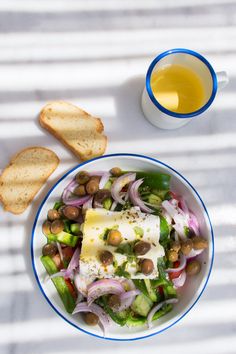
(26, 173)
(75, 128)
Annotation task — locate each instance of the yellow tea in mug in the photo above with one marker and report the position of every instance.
(178, 89)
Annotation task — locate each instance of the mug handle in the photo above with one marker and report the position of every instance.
(222, 79)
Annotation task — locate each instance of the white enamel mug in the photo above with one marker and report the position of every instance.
(212, 81)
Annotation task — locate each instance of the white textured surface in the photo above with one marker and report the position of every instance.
(95, 54)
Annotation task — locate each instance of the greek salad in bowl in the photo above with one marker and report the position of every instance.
(119, 246)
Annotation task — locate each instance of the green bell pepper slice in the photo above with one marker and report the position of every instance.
(155, 180)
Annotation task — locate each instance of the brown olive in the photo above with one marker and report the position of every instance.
(114, 238)
(199, 243)
(116, 171)
(71, 212)
(101, 195)
(92, 186)
(106, 258)
(91, 319)
(114, 301)
(50, 249)
(80, 190)
(175, 246)
(193, 267)
(172, 256)
(147, 266)
(82, 177)
(46, 227)
(57, 226)
(186, 246)
(141, 248)
(95, 178)
(53, 214)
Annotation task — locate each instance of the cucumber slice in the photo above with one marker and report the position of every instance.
(142, 305)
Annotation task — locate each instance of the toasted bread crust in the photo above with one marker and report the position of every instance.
(8, 206)
(43, 119)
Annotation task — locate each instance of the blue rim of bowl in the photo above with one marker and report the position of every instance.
(163, 109)
(35, 223)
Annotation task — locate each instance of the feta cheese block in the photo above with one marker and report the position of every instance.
(133, 226)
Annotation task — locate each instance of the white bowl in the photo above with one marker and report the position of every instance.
(194, 286)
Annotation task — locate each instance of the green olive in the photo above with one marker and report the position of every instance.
(186, 246)
(91, 319)
(141, 248)
(172, 256)
(175, 246)
(147, 266)
(106, 258)
(71, 212)
(53, 214)
(199, 243)
(80, 190)
(92, 186)
(50, 249)
(46, 228)
(116, 171)
(82, 177)
(193, 267)
(114, 301)
(57, 226)
(114, 238)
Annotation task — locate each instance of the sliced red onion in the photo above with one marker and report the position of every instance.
(103, 287)
(174, 202)
(169, 208)
(82, 283)
(157, 308)
(179, 228)
(167, 216)
(194, 253)
(181, 266)
(180, 218)
(178, 282)
(135, 198)
(60, 251)
(76, 201)
(72, 267)
(119, 183)
(104, 319)
(71, 186)
(104, 180)
(72, 201)
(114, 205)
(79, 298)
(183, 205)
(74, 263)
(193, 223)
(88, 204)
(126, 299)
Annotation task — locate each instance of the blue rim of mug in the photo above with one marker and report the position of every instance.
(157, 162)
(189, 52)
